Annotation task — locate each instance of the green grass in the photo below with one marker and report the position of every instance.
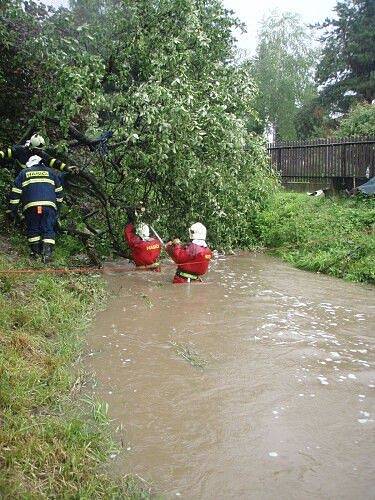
(147, 300)
(335, 236)
(53, 443)
(188, 353)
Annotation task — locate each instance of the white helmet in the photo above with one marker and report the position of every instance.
(197, 231)
(37, 141)
(143, 230)
(33, 160)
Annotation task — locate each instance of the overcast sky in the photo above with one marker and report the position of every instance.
(252, 11)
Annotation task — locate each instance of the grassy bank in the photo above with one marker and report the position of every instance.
(329, 235)
(52, 443)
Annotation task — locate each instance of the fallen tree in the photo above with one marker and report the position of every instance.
(163, 77)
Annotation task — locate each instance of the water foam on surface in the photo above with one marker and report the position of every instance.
(290, 369)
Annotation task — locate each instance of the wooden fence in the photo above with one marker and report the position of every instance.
(352, 157)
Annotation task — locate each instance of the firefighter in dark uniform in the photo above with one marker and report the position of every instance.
(21, 154)
(38, 190)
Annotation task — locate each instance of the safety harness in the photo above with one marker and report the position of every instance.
(153, 266)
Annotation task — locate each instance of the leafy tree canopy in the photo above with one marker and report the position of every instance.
(283, 71)
(160, 74)
(312, 119)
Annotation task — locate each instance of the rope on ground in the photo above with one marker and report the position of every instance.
(52, 270)
(86, 270)
(74, 270)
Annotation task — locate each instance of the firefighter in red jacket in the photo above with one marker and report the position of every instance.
(192, 259)
(145, 251)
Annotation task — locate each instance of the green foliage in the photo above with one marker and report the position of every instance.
(50, 447)
(333, 236)
(359, 121)
(187, 352)
(5, 181)
(347, 67)
(161, 75)
(312, 119)
(20, 65)
(283, 71)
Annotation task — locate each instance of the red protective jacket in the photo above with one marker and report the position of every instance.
(144, 252)
(192, 260)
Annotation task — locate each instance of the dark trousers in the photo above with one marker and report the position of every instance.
(40, 224)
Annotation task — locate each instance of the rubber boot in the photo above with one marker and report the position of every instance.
(46, 252)
(34, 250)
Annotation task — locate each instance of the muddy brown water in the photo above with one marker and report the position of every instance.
(284, 407)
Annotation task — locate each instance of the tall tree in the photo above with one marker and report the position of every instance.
(347, 66)
(283, 71)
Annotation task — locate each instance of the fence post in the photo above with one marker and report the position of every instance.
(343, 160)
(279, 159)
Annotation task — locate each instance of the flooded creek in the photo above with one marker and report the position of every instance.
(282, 404)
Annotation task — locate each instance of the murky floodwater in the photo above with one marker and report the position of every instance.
(284, 407)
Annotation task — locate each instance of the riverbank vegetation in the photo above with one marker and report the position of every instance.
(52, 443)
(335, 236)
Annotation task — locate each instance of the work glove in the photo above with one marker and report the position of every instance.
(73, 169)
(130, 213)
(139, 210)
(176, 241)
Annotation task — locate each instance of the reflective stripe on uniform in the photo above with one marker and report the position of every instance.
(16, 190)
(59, 200)
(62, 166)
(9, 153)
(35, 181)
(14, 202)
(49, 240)
(37, 173)
(59, 189)
(187, 275)
(40, 203)
(34, 239)
(52, 162)
(2, 154)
